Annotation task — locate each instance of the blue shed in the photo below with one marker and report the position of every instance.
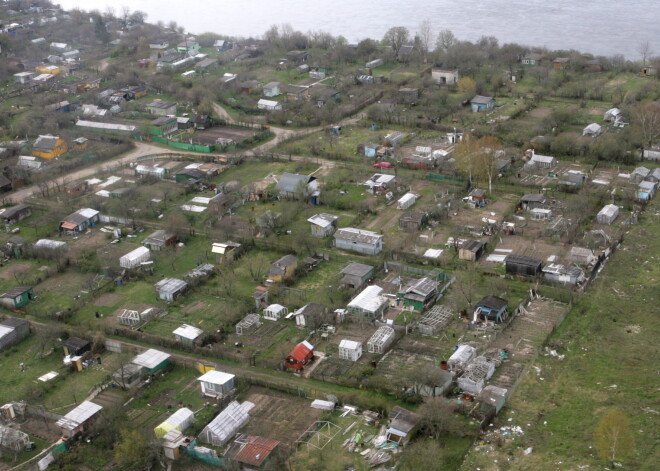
(368, 149)
(492, 308)
(482, 103)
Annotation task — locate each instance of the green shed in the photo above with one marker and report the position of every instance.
(17, 297)
(152, 361)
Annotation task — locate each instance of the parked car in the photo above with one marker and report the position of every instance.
(383, 165)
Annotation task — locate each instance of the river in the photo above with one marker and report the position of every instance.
(601, 27)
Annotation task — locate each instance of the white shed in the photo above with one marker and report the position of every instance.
(135, 257)
(462, 356)
(381, 339)
(269, 105)
(608, 214)
(275, 312)
(225, 425)
(216, 383)
(541, 214)
(581, 256)
(543, 161)
(350, 350)
(406, 201)
(594, 129)
(187, 334)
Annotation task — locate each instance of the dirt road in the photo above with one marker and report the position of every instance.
(140, 150)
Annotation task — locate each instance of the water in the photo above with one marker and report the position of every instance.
(601, 27)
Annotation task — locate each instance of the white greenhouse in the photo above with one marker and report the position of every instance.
(275, 312)
(135, 257)
(381, 339)
(350, 350)
(225, 425)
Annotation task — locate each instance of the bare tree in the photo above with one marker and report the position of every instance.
(257, 266)
(489, 149)
(439, 418)
(425, 36)
(446, 40)
(644, 50)
(647, 120)
(109, 13)
(125, 14)
(396, 37)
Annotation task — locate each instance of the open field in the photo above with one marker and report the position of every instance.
(607, 342)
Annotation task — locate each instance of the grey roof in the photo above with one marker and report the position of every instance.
(10, 212)
(403, 419)
(358, 235)
(294, 89)
(158, 237)
(79, 415)
(323, 219)
(14, 322)
(523, 260)
(286, 261)
(642, 171)
(481, 100)
(412, 216)
(289, 182)
(311, 309)
(273, 85)
(162, 121)
(357, 269)
(534, 197)
(75, 343)
(423, 287)
(473, 245)
(171, 285)
(161, 104)
(655, 174)
(493, 302)
(206, 63)
(45, 143)
(17, 291)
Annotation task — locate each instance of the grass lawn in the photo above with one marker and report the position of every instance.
(609, 341)
(64, 390)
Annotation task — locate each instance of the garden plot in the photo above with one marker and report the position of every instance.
(531, 247)
(543, 177)
(334, 369)
(211, 135)
(475, 217)
(410, 352)
(87, 242)
(523, 338)
(279, 416)
(15, 270)
(35, 427)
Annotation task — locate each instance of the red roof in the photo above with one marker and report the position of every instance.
(256, 451)
(301, 352)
